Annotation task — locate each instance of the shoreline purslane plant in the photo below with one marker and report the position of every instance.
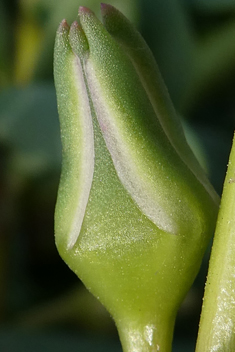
(135, 211)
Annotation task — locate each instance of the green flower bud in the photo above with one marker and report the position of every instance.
(135, 211)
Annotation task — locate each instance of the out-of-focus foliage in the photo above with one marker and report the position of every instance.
(41, 302)
(36, 32)
(213, 5)
(28, 126)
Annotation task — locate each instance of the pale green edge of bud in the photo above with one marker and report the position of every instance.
(144, 159)
(77, 138)
(78, 41)
(143, 60)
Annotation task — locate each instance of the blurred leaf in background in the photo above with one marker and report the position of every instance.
(42, 305)
(36, 25)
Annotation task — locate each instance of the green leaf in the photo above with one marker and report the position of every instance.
(29, 128)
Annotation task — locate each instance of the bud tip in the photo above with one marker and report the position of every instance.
(75, 25)
(105, 8)
(84, 9)
(64, 24)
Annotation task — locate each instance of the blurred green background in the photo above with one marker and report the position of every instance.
(43, 306)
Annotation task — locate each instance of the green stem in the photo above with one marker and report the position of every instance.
(140, 336)
(217, 325)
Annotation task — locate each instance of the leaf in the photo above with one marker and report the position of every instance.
(29, 127)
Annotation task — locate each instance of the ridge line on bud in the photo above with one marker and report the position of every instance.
(146, 162)
(76, 136)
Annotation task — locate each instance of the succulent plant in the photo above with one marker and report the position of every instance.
(135, 211)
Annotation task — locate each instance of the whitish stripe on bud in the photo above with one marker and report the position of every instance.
(142, 58)
(145, 161)
(77, 138)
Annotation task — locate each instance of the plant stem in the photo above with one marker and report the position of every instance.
(137, 336)
(217, 325)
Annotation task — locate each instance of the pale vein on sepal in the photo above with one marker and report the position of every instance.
(143, 189)
(76, 137)
(86, 152)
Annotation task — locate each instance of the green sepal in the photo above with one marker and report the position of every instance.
(146, 162)
(77, 140)
(143, 60)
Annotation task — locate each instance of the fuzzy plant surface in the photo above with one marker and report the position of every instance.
(135, 211)
(217, 323)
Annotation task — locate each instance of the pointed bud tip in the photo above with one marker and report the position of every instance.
(84, 10)
(63, 27)
(103, 5)
(78, 39)
(64, 24)
(75, 25)
(105, 8)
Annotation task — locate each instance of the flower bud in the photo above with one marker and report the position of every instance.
(135, 211)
